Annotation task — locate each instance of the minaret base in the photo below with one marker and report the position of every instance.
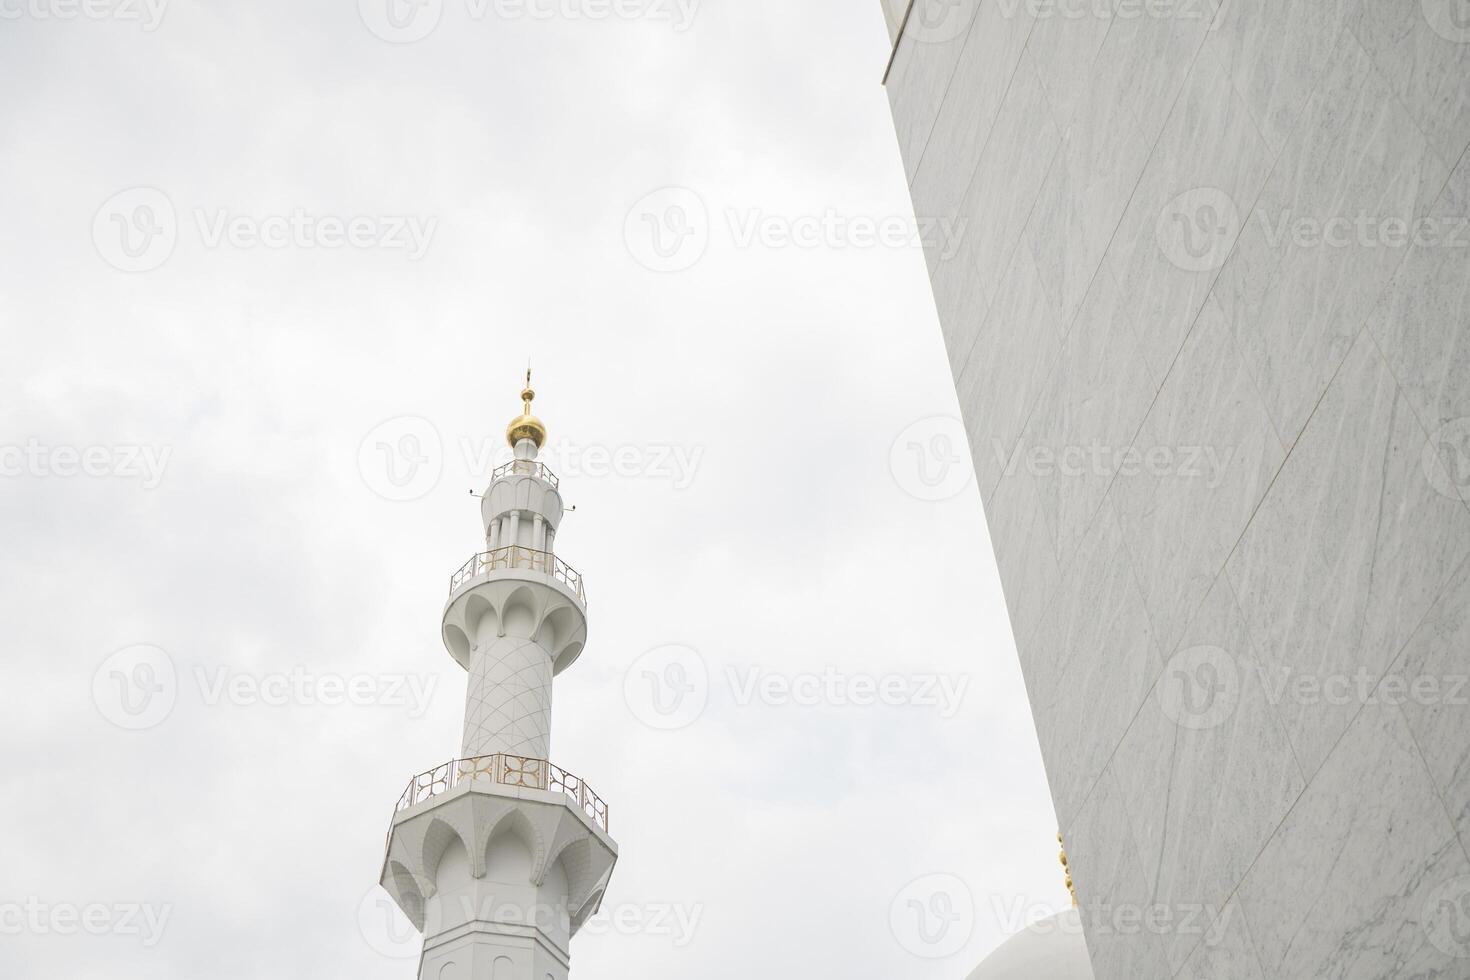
(497, 877)
(481, 951)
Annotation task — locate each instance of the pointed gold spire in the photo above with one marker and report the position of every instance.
(526, 425)
(1067, 870)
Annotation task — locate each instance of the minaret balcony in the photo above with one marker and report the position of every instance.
(526, 467)
(518, 558)
(512, 771)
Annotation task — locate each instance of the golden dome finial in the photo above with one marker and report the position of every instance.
(526, 425)
(1066, 869)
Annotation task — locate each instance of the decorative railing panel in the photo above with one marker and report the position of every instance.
(505, 770)
(526, 467)
(519, 556)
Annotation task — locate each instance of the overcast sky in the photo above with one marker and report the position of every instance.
(271, 274)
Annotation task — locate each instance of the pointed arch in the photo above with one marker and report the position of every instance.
(515, 823)
(438, 837)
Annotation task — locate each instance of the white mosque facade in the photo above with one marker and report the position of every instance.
(1206, 256)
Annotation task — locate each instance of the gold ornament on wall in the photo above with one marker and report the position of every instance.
(1065, 868)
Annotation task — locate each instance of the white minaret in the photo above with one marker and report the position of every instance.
(498, 857)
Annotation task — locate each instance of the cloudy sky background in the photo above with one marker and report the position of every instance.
(783, 411)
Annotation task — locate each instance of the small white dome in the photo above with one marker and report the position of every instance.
(1052, 949)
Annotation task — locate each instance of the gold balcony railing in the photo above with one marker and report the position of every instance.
(519, 556)
(526, 467)
(505, 770)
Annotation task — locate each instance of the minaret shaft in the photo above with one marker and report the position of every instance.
(508, 699)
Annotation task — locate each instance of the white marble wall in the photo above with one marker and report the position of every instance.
(893, 14)
(1210, 329)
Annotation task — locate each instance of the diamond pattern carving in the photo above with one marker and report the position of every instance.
(508, 700)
